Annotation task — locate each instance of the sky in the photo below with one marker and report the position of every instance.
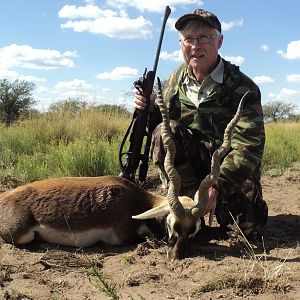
(94, 50)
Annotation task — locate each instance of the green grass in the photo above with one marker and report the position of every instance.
(83, 157)
(87, 144)
(99, 279)
(282, 147)
(56, 145)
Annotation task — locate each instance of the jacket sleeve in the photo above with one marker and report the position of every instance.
(248, 140)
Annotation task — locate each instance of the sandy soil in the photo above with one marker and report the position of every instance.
(217, 269)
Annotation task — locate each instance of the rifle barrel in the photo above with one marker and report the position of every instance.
(140, 126)
(166, 16)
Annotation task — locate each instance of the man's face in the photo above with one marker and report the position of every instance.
(200, 48)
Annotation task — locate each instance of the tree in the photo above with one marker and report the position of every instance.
(70, 106)
(277, 110)
(15, 99)
(111, 109)
(31, 113)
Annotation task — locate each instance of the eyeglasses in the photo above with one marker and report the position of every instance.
(191, 41)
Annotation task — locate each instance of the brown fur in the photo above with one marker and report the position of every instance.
(76, 204)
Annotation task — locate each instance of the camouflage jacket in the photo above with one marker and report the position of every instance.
(208, 122)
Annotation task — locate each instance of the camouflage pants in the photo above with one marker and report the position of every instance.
(192, 161)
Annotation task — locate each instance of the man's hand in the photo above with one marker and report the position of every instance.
(212, 202)
(140, 100)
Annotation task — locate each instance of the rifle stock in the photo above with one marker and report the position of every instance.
(141, 126)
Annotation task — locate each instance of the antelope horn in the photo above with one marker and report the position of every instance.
(201, 196)
(174, 178)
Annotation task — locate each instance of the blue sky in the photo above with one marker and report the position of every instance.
(95, 50)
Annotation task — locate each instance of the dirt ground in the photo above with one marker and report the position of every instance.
(216, 269)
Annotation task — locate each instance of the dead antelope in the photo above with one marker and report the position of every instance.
(81, 211)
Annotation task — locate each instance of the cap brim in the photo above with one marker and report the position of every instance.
(189, 17)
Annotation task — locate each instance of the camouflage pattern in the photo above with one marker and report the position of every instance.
(239, 183)
(208, 122)
(247, 207)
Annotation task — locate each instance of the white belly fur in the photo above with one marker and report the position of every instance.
(78, 239)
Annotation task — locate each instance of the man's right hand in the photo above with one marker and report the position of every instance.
(139, 100)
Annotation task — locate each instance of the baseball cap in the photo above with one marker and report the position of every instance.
(200, 15)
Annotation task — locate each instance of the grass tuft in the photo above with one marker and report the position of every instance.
(101, 282)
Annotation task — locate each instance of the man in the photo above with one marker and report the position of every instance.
(202, 96)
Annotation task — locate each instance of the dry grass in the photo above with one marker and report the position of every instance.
(256, 274)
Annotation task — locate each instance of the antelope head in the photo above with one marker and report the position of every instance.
(183, 214)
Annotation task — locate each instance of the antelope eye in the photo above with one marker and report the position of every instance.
(192, 231)
(172, 241)
(178, 228)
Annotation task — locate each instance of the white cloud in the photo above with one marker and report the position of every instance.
(106, 90)
(237, 60)
(114, 27)
(74, 94)
(173, 56)
(263, 79)
(93, 19)
(289, 92)
(76, 88)
(8, 74)
(13, 75)
(264, 47)
(286, 95)
(293, 78)
(31, 78)
(75, 84)
(85, 12)
(92, 2)
(42, 90)
(229, 25)
(271, 95)
(119, 73)
(154, 6)
(171, 24)
(27, 57)
(292, 52)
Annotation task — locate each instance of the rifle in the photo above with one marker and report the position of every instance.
(141, 125)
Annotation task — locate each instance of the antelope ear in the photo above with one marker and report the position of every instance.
(156, 212)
